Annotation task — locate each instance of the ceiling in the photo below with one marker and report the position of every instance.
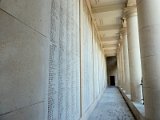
(107, 15)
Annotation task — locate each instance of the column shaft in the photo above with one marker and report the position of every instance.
(149, 28)
(123, 72)
(126, 63)
(134, 55)
(119, 69)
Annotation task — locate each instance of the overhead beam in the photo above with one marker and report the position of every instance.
(109, 27)
(110, 48)
(110, 38)
(110, 42)
(109, 45)
(113, 54)
(107, 8)
(110, 52)
(110, 55)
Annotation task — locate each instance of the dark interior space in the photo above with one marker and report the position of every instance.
(112, 80)
(112, 70)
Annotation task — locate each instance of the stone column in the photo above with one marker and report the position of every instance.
(134, 53)
(149, 29)
(126, 61)
(119, 68)
(120, 57)
(122, 67)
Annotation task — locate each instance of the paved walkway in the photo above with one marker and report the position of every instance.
(111, 107)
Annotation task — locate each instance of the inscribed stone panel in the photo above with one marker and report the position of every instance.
(53, 107)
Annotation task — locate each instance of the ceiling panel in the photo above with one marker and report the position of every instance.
(107, 15)
(109, 33)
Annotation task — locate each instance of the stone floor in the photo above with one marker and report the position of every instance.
(111, 107)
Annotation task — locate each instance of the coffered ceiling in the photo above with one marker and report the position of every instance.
(107, 16)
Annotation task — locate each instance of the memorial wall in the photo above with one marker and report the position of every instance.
(94, 64)
(64, 70)
(50, 69)
(64, 78)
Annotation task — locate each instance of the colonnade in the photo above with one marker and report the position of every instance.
(139, 53)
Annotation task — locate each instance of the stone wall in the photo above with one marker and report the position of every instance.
(94, 64)
(24, 55)
(64, 75)
(41, 60)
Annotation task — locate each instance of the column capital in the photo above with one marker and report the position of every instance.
(124, 21)
(118, 47)
(130, 11)
(123, 31)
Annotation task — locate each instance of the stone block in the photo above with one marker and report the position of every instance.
(33, 13)
(23, 65)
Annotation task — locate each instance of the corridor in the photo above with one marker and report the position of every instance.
(57, 58)
(111, 107)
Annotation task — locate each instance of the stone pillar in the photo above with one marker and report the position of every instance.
(149, 29)
(134, 53)
(122, 67)
(119, 68)
(126, 62)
